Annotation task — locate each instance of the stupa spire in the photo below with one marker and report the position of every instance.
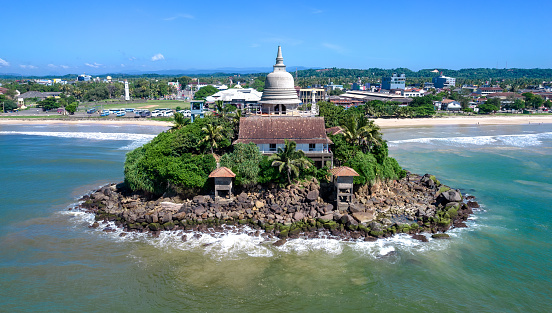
(279, 66)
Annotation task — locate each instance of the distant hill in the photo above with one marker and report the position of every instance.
(470, 73)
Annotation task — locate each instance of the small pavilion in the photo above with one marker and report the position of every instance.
(223, 181)
(342, 178)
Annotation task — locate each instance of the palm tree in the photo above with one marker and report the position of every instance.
(289, 160)
(363, 132)
(371, 135)
(236, 120)
(179, 121)
(212, 135)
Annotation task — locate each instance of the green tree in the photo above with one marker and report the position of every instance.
(205, 92)
(244, 162)
(179, 120)
(330, 112)
(7, 104)
(49, 103)
(213, 134)
(289, 160)
(72, 108)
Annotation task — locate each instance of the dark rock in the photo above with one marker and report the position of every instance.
(472, 204)
(422, 238)
(369, 238)
(312, 195)
(94, 225)
(298, 216)
(440, 236)
(348, 220)
(280, 242)
(450, 196)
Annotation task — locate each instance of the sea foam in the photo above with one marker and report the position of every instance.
(516, 140)
(137, 140)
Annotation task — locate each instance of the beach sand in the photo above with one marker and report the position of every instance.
(383, 123)
(5, 121)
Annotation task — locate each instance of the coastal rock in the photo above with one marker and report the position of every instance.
(364, 217)
(472, 204)
(312, 195)
(450, 196)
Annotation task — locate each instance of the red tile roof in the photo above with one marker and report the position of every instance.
(222, 172)
(263, 130)
(343, 171)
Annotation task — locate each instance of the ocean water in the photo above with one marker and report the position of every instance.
(51, 261)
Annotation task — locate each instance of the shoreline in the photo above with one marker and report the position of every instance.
(38, 121)
(383, 123)
(412, 205)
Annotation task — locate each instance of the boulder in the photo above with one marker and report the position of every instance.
(259, 204)
(422, 238)
(356, 208)
(450, 196)
(472, 204)
(348, 220)
(327, 217)
(363, 217)
(297, 216)
(312, 195)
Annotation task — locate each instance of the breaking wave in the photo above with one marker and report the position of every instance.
(136, 139)
(517, 140)
(237, 243)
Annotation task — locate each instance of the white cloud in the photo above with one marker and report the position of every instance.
(316, 11)
(94, 65)
(336, 48)
(254, 45)
(132, 58)
(172, 18)
(157, 57)
(31, 67)
(64, 66)
(52, 66)
(122, 65)
(4, 62)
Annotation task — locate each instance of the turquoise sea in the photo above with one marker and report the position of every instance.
(51, 261)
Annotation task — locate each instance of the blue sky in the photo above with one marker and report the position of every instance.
(59, 37)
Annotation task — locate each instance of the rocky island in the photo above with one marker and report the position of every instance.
(412, 205)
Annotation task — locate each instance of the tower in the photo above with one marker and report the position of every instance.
(127, 93)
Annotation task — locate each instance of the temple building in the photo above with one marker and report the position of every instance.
(281, 120)
(279, 95)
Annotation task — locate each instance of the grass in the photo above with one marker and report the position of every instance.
(156, 104)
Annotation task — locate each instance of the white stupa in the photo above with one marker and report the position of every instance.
(279, 96)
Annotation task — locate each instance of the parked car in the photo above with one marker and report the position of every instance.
(104, 113)
(91, 111)
(121, 113)
(129, 110)
(145, 114)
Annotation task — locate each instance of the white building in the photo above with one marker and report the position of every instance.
(444, 81)
(240, 97)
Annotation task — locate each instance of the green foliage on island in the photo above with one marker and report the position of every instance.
(176, 160)
(181, 158)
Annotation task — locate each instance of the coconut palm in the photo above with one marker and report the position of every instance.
(363, 132)
(289, 160)
(179, 121)
(212, 135)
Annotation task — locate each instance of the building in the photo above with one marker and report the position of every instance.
(223, 181)
(412, 93)
(444, 81)
(279, 96)
(306, 95)
(343, 180)
(270, 133)
(450, 105)
(365, 96)
(485, 91)
(242, 98)
(197, 110)
(84, 78)
(332, 87)
(393, 82)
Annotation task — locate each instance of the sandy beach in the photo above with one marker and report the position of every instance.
(464, 120)
(383, 123)
(5, 121)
